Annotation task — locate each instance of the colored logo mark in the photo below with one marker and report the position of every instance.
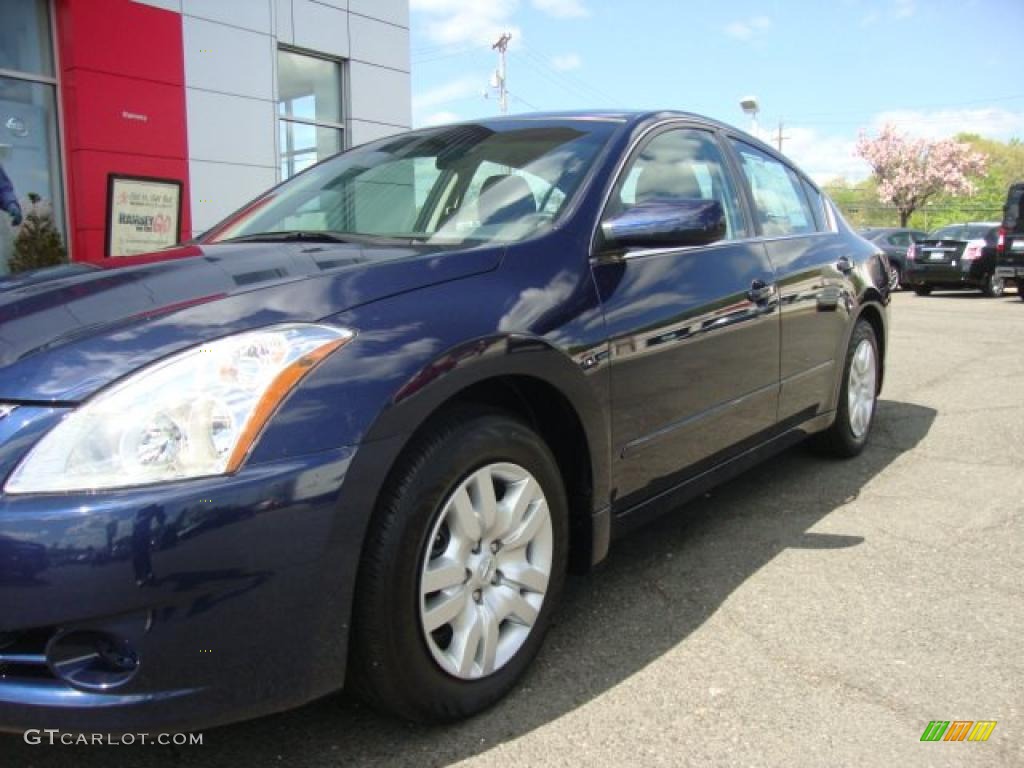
(958, 730)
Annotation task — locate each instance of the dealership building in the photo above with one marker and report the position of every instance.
(170, 114)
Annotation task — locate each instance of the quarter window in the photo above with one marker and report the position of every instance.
(681, 164)
(779, 200)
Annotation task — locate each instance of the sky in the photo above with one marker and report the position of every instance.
(828, 70)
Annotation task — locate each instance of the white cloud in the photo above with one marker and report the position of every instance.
(827, 156)
(903, 9)
(566, 62)
(480, 22)
(454, 90)
(561, 9)
(822, 157)
(746, 29)
(991, 122)
(440, 118)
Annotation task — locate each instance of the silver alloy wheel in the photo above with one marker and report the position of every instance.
(486, 570)
(861, 388)
(996, 285)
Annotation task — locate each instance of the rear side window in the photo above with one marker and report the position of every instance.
(779, 200)
(1012, 218)
(900, 238)
(817, 206)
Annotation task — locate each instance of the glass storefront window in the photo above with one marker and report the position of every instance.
(29, 146)
(309, 108)
(25, 42)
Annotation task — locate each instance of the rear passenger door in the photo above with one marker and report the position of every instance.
(811, 269)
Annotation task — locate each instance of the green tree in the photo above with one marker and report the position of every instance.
(38, 243)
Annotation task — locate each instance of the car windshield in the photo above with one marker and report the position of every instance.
(472, 183)
(962, 232)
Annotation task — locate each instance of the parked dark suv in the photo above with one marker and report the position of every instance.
(955, 257)
(1010, 243)
(358, 432)
(894, 241)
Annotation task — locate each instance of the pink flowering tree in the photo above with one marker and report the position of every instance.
(909, 171)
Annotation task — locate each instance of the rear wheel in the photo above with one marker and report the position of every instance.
(463, 567)
(994, 286)
(858, 395)
(922, 290)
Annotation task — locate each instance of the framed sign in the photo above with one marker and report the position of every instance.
(143, 214)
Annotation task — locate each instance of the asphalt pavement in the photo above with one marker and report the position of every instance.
(813, 612)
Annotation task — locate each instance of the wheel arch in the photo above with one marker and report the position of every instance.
(547, 390)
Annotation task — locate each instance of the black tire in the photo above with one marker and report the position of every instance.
(922, 290)
(994, 286)
(840, 439)
(391, 666)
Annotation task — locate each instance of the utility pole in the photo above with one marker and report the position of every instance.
(780, 138)
(500, 76)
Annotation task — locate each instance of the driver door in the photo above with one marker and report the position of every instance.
(694, 331)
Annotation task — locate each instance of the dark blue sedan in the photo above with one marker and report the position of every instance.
(358, 433)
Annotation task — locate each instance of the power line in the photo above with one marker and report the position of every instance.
(550, 75)
(453, 54)
(534, 107)
(542, 59)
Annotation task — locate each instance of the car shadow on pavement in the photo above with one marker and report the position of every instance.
(657, 587)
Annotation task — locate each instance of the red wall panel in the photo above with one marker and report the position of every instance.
(123, 94)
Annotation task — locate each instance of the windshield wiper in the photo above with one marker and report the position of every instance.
(291, 236)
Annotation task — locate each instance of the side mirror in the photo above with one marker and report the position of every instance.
(666, 223)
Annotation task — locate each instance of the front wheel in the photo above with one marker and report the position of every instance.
(922, 290)
(463, 566)
(858, 396)
(994, 286)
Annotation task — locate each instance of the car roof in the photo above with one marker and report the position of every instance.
(636, 118)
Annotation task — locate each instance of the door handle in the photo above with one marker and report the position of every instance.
(760, 291)
(844, 265)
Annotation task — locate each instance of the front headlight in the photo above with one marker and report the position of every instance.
(195, 414)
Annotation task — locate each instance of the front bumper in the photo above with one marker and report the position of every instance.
(232, 594)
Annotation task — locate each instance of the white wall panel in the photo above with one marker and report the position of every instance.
(377, 42)
(380, 95)
(220, 188)
(230, 129)
(395, 11)
(251, 14)
(167, 5)
(227, 59)
(320, 28)
(285, 32)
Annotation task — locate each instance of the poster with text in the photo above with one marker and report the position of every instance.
(143, 214)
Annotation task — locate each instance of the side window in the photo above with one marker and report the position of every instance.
(779, 199)
(681, 164)
(900, 239)
(817, 206)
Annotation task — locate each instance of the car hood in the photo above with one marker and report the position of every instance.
(66, 333)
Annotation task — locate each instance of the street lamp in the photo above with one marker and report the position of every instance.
(750, 107)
